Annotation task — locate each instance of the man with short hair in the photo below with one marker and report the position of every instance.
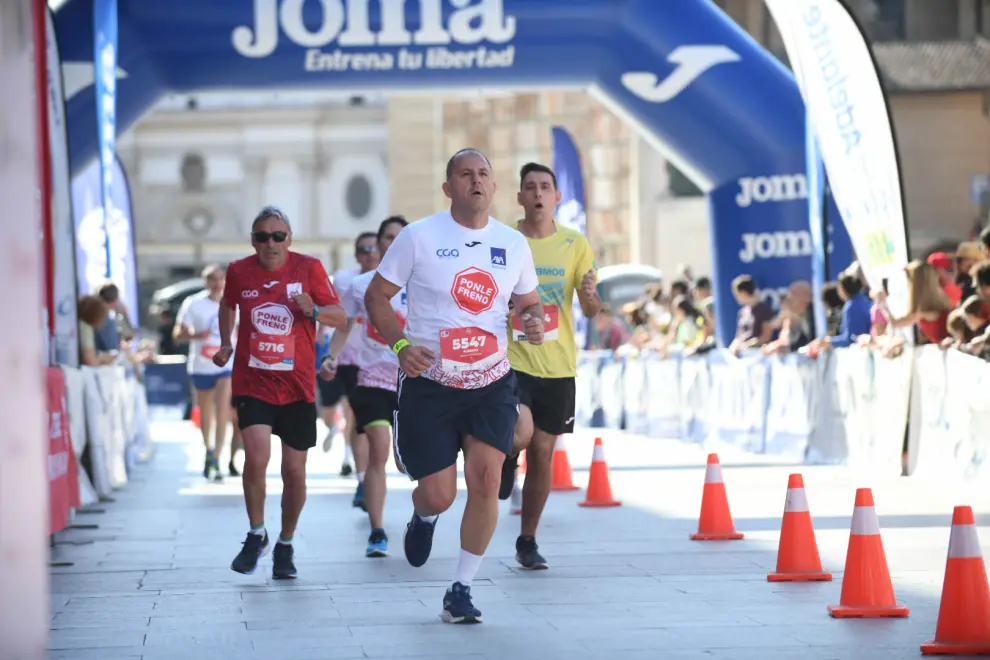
(456, 391)
(281, 296)
(374, 399)
(198, 323)
(753, 327)
(546, 373)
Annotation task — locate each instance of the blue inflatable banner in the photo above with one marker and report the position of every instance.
(570, 211)
(105, 78)
(700, 89)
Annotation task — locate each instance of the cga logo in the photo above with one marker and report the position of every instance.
(444, 253)
(777, 245)
(778, 188)
(348, 24)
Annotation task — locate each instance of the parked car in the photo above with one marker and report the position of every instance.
(621, 284)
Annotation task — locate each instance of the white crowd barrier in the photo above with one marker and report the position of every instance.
(108, 416)
(850, 406)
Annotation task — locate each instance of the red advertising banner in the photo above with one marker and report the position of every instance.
(63, 480)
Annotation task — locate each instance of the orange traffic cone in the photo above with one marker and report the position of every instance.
(563, 478)
(964, 615)
(599, 489)
(715, 523)
(797, 555)
(867, 591)
(194, 416)
(522, 463)
(515, 501)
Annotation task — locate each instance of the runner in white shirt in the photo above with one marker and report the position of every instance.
(460, 269)
(374, 399)
(341, 388)
(198, 323)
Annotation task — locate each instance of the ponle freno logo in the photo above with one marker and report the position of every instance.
(388, 45)
(474, 290)
(272, 319)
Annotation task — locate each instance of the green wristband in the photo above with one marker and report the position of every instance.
(399, 345)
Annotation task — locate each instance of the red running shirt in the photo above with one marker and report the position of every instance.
(275, 358)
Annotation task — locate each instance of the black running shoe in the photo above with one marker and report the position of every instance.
(528, 554)
(418, 540)
(283, 568)
(207, 464)
(457, 605)
(508, 476)
(255, 547)
(232, 469)
(346, 470)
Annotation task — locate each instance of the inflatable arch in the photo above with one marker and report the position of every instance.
(725, 111)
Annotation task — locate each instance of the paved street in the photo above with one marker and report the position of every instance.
(153, 581)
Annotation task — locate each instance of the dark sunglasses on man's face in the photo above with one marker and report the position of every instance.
(367, 249)
(263, 236)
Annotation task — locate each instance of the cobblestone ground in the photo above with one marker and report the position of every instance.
(152, 581)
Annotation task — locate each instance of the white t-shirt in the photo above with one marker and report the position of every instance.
(199, 313)
(378, 365)
(458, 283)
(342, 280)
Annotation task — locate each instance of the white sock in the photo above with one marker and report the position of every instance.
(429, 519)
(348, 454)
(360, 477)
(467, 567)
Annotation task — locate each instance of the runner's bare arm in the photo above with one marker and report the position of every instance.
(227, 315)
(378, 301)
(332, 316)
(339, 339)
(587, 292)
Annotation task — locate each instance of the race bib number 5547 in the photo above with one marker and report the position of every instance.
(468, 349)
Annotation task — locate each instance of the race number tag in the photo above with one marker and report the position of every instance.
(272, 352)
(376, 336)
(468, 349)
(209, 351)
(551, 323)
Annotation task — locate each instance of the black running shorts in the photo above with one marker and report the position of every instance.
(294, 423)
(551, 400)
(432, 419)
(373, 406)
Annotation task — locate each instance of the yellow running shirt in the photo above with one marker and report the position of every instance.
(561, 261)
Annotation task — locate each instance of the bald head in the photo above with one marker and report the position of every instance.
(452, 163)
(799, 294)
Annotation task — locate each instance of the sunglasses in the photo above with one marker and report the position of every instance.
(263, 236)
(367, 249)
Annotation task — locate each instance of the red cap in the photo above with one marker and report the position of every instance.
(940, 260)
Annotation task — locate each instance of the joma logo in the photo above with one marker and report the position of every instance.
(777, 245)
(482, 21)
(778, 188)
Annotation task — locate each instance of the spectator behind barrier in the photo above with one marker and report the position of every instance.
(705, 301)
(93, 313)
(689, 327)
(985, 241)
(611, 334)
(968, 255)
(945, 270)
(928, 304)
(855, 315)
(959, 331)
(833, 307)
(981, 280)
(797, 328)
(753, 324)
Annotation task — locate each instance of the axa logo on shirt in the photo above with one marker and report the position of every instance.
(776, 245)
(272, 319)
(444, 253)
(249, 293)
(498, 257)
(777, 188)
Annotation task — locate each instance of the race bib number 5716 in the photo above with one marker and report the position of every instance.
(272, 352)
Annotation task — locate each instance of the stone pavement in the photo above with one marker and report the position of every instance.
(153, 581)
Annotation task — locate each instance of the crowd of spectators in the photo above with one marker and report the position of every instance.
(948, 304)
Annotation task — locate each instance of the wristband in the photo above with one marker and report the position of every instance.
(399, 345)
(316, 313)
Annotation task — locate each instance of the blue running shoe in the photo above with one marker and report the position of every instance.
(418, 540)
(358, 501)
(377, 544)
(457, 605)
